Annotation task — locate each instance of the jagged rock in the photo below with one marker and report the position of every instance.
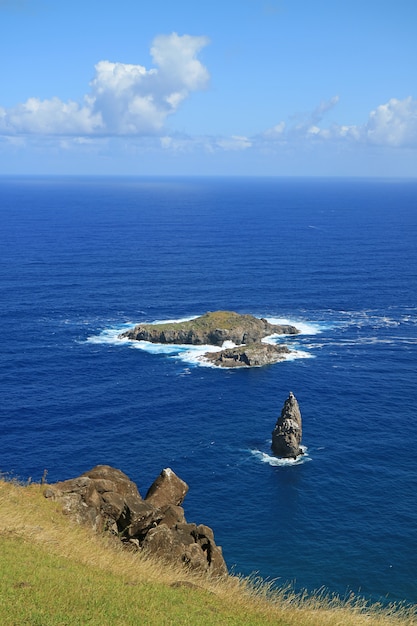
(106, 499)
(137, 519)
(190, 544)
(212, 328)
(286, 436)
(253, 355)
(99, 497)
(167, 489)
(172, 515)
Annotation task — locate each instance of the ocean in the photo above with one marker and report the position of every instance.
(84, 258)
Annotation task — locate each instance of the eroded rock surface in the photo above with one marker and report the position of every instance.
(107, 500)
(253, 355)
(286, 436)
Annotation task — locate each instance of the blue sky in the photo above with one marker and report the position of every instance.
(239, 87)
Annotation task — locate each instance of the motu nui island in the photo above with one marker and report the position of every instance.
(246, 332)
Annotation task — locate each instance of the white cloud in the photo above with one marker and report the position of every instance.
(276, 131)
(125, 99)
(49, 117)
(393, 124)
(179, 67)
(185, 144)
(211, 145)
(304, 127)
(235, 142)
(324, 106)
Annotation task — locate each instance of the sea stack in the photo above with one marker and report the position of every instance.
(286, 436)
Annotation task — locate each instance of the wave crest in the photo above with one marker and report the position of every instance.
(274, 461)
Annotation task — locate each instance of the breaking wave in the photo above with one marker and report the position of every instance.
(305, 328)
(274, 461)
(194, 355)
(371, 327)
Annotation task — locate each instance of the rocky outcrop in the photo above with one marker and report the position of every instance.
(107, 500)
(286, 436)
(212, 328)
(253, 355)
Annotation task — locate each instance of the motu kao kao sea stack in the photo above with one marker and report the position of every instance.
(286, 436)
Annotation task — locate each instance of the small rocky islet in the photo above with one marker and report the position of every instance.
(215, 328)
(286, 436)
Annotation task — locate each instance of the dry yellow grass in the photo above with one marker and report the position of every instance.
(55, 572)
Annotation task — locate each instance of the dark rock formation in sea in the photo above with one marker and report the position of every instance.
(212, 328)
(107, 500)
(252, 355)
(286, 436)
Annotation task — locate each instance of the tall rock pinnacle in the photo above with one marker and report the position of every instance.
(286, 436)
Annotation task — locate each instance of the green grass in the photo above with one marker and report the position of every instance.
(207, 322)
(38, 588)
(54, 572)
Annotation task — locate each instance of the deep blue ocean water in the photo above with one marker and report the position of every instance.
(83, 258)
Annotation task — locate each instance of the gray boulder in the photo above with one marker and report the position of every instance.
(286, 436)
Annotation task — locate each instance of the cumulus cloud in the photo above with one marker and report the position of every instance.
(393, 124)
(128, 100)
(124, 99)
(49, 117)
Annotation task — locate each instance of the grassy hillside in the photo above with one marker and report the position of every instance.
(53, 572)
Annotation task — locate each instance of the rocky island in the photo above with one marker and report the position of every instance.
(286, 436)
(251, 355)
(216, 328)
